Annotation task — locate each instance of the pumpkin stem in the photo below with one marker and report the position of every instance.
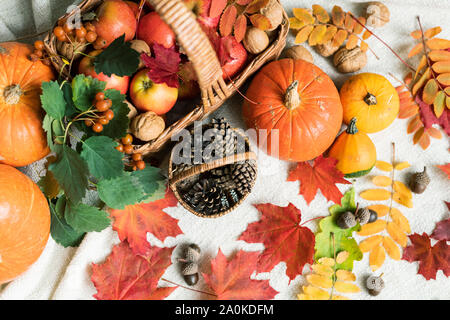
(370, 99)
(352, 129)
(12, 94)
(292, 98)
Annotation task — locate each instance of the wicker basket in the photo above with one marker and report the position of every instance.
(195, 43)
(176, 178)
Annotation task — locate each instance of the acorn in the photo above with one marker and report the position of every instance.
(373, 216)
(375, 284)
(346, 220)
(190, 268)
(362, 215)
(193, 253)
(419, 181)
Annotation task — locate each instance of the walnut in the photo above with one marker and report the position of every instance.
(377, 14)
(147, 126)
(298, 52)
(274, 12)
(141, 47)
(255, 40)
(326, 49)
(350, 60)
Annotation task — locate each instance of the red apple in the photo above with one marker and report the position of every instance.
(114, 82)
(152, 29)
(135, 7)
(147, 95)
(201, 10)
(115, 18)
(238, 56)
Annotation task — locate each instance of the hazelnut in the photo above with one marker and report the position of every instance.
(70, 50)
(298, 53)
(141, 47)
(377, 14)
(133, 112)
(351, 60)
(326, 49)
(274, 12)
(147, 126)
(255, 40)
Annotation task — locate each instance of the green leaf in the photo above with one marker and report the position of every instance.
(343, 240)
(85, 218)
(68, 96)
(71, 172)
(52, 100)
(103, 160)
(153, 183)
(121, 191)
(84, 89)
(61, 232)
(49, 185)
(119, 59)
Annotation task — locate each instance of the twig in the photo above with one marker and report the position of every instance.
(392, 182)
(321, 217)
(184, 287)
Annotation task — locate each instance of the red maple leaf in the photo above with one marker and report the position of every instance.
(442, 230)
(321, 175)
(230, 280)
(429, 118)
(283, 237)
(431, 258)
(126, 276)
(164, 66)
(133, 223)
(222, 45)
(445, 168)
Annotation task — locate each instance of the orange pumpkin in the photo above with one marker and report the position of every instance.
(300, 101)
(22, 139)
(24, 223)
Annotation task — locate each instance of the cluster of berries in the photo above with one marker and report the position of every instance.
(38, 53)
(104, 115)
(126, 146)
(65, 32)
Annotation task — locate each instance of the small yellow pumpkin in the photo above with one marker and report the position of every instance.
(370, 98)
(355, 152)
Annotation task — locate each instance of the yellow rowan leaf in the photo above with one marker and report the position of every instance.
(295, 24)
(320, 13)
(346, 287)
(303, 15)
(444, 78)
(329, 34)
(338, 16)
(397, 234)
(381, 181)
(317, 35)
(402, 165)
(408, 78)
(352, 42)
(369, 229)
(439, 55)
(425, 76)
(375, 194)
(358, 27)
(363, 46)
(342, 256)
(326, 261)
(415, 50)
(323, 270)
(383, 166)
(398, 218)
(422, 64)
(316, 293)
(438, 44)
(424, 143)
(430, 33)
(319, 281)
(344, 275)
(391, 248)
(418, 135)
(303, 34)
(340, 37)
(349, 22)
(414, 124)
(366, 35)
(377, 257)
(416, 34)
(338, 297)
(302, 296)
(447, 102)
(439, 104)
(370, 243)
(380, 209)
(430, 91)
(441, 66)
(403, 199)
(435, 133)
(402, 189)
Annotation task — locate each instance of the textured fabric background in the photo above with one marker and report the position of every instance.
(65, 273)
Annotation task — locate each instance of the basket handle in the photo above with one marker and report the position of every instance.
(197, 47)
(200, 168)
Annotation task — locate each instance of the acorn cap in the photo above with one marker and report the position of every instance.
(346, 220)
(375, 283)
(362, 215)
(189, 268)
(193, 253)
(420, 181)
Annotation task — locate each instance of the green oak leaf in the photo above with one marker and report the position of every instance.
(52, 100)
(68, 96)
(152, 182)
(343, 240)
(84, 89)
(119, 59)
(61, 232)
(84, 218)
(117, 193)
(71, 172)
(103, 160)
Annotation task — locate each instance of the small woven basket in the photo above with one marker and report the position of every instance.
(196, 45)
(177, 177)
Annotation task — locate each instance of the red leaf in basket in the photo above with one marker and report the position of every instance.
(240, 27)
(217, 7)
(243, 2)
(260, 21)
(227, 21)
(445, 168)
(222, 45)
(133, 223)
(283, 237)
(431, 258)
(126, 276)
(163, 67)
(256, 5)
(321, 175)
(442, 230)
(230, 279)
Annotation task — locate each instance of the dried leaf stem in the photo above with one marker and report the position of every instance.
(392, 183)
(187, 288)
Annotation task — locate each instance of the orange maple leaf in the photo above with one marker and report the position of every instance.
(445, 168)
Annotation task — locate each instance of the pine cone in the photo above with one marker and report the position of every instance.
(205, 197)
(244, 174)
